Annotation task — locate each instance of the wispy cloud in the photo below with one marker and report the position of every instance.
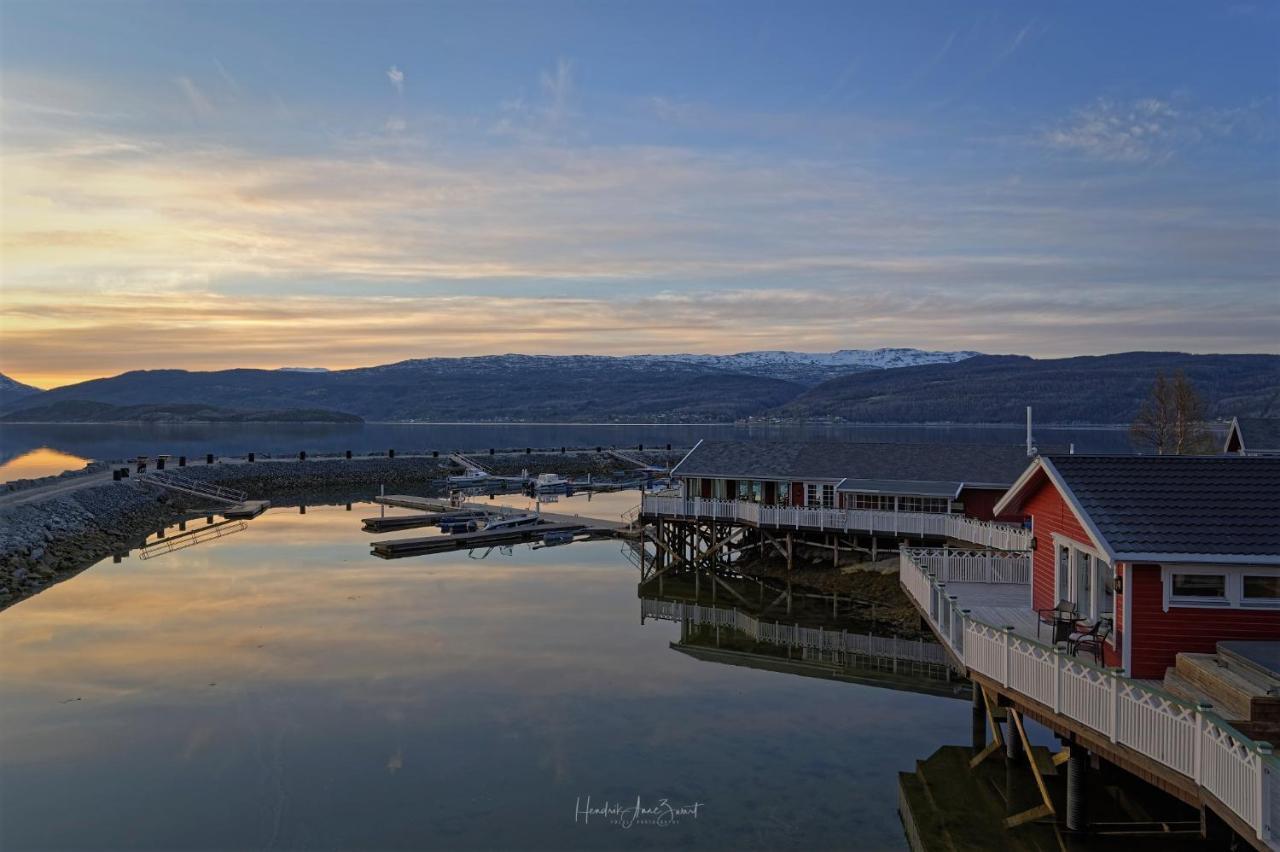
(1153, 129)
(557, 85)
(232, 85)
(396, 76)
(199, 102)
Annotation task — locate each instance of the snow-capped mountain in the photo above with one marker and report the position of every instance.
(813, 367)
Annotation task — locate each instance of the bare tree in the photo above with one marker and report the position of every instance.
(1171, 421)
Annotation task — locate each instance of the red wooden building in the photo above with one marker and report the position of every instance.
(1180, 552)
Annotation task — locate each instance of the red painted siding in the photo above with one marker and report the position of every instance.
(1159, 635)
(1050, 515)
(797, 494)
(980, 503)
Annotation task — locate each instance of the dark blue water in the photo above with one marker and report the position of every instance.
(281, 689)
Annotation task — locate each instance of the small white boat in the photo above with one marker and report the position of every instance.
(550, 482)
(511, 522)
(471, 477)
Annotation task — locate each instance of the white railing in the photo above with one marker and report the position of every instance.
(975, 566)
(195, 487)
(1239, 772)
(776, 633)
(982, 533)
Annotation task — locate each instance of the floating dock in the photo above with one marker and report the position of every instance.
(246, 509)
(396, 548)
(389, 523)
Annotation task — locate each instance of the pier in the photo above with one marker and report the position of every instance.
(398, 548)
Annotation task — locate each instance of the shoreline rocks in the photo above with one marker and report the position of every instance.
(48, 540)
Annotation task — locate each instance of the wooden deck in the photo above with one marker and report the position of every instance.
(998, 604)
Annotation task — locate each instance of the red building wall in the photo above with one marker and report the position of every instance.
(1051, 514)
(1158, 636)
(980, 503)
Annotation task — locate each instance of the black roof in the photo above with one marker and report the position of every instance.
(1259, 434)
(935, 465)
(1205, 505)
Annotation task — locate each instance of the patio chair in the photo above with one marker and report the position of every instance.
(1091, 640)
(1065, 611)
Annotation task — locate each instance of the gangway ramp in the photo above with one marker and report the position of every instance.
(635, 460)
(238, 502)
(469, 463)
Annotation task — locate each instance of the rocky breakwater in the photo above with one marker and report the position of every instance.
(44, 541)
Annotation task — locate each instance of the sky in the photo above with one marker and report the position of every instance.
(332, 184)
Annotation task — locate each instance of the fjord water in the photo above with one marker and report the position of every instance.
(280, 688)
(28, 450)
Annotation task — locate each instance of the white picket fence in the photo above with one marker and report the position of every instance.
(975, 566)
(776, 633)
(1243, 774)
(982, 533)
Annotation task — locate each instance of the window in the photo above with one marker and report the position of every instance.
(1199, 586)
(817, 494)
(1064, 572)
(1225, 586)
(937, 505)
(877, 502)
(1261, 588)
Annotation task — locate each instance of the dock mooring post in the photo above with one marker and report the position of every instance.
(1077, 766)
(978, 720)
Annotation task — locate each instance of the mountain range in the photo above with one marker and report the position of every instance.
(872, 386)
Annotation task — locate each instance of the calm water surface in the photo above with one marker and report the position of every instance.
(28, 450)
(282, 689)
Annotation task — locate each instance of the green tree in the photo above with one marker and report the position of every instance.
(1171, 421)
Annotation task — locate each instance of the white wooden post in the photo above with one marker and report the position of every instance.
(1057, 678)
(1115, 703)
(1266, 831)
(1201, 709)
(1008, 652)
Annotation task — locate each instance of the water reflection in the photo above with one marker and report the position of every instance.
(42, 461)
(277, 688)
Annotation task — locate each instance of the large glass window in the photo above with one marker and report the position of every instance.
(1199, 586)
(873, 501)
(1261, 588)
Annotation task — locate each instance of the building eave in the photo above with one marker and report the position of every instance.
(1201, 558)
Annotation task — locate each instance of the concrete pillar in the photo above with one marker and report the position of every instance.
(978, 720)
(1077, 766)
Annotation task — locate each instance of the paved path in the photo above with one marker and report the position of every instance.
(55, 489)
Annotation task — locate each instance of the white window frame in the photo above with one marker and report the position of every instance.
(1234, 587)
(1096, 593)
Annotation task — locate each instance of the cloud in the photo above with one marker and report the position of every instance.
(1136, 131)
(230, 81)
(396, 76)
(202, 106)
(557, 85)
(368, 242)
